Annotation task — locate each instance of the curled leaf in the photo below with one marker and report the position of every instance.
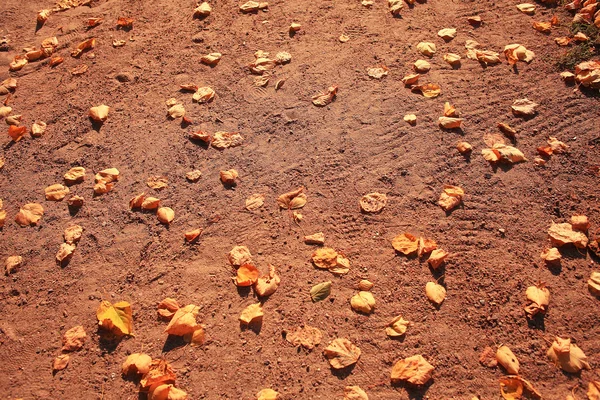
(247, 275)
(568, 356)
(292, 200)
(74, 338)
(508, 360)
(561, 234)
(268, 284)
(539, 298)
(325, 98)
(397, 327)
(251, 313)
(136, 364)
(115, 318)
(239, 255)
(184, 321)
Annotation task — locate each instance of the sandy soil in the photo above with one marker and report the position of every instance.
(356, 145)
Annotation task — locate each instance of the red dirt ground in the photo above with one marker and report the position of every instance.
(356, 145)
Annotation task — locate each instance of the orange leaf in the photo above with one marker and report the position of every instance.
(247, 275)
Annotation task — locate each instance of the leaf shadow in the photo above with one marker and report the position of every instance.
(414, 392)
(343, 373)
(108, 341)
(173, 342)
(255, 325)
(538, 322)
(96, 125)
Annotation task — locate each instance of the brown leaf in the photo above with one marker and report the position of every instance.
(539, 298)
(224, 140)
(328, 258)
(29, 214)
(512, 388)
(267, 394)
(74, 338)
(251, 313)
(508, 360)
(56, 192)
(435, 292)
(593, 283)
(268, 284)
(247, 275)
(373, 202)
(437, 258)
(354, 393)
(507, 130)
(72, 234)
(160, 372)
(203, 10)
(397, 327)
(488, 357)
(184, 321)
(593, 392)
(363, 302)
(12, 264)
(414, 370)
(451, 197)
(148, 203)
(136, 364)
(411, 79)
(551, 255)
(38, 128)
(83, 46)
(426, 48)
(193, 235)
(228, 177)
(524, 107)
(568, 356)
(239, 255)
(405, 243)
(204, 95)
(561, 234)
(292, 200)
(306, 336)
(544, 27)
(167, 308)
(580, 223)
(464, 147)
(450, 123)
(341, 353)
(325, 98)
(60, 362)
(211, 59)
(165, 215)
(193, 176)
(125, 23)
(429, 90)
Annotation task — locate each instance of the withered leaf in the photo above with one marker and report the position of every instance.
(363, 302)
(12, 264)
(325, 98)
(568, 356)
(72, 234)
(405, 243)
(429, 90)
(561, 234)
(354, 393)
(397, 327)
(451, 197)
(99, 113)
(223, 140)
(373, 202)
(74, 338)
(267, 284)
(415, 370)
(183, 321)
(341, 353)
(167, 308)
(203, 95)
(507, 359)
(116, 318)
(239, 255)
(228, 177)
(85, 45)
(306, 336)
(292, 200)
(30, 214)
(165, 215)
(267, 394)
(593, 283)
(435, 292)
(61, 362)
(251, 313)
(255, 202)
(426, 48)
(247, 275)
(136, 364)
(160, 372)
(437, 258)
(74, 175)
(524, 107)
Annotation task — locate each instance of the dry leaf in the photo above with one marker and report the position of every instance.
(176, 111)
(17, 63)
(92, 22)
(405, 243)
(167, 308)
(203, 95)
(79, 70)
(43, 15)
(125, 23)
(60, 362)
(504, 153)
(160, 372)
(539, 298)
(373, 202)
(279, 84)
(228, 177)
(75, 201)
(561, 234)
(551, 255)
(426, 246)
(211, 59)
(544, 27)
(165, 215)
(593, 283)
(136, 364)
(54, 61)
(316, 238)
(223, 140)
(429, 90)
(193, 176)
(14, 120)
(85, 45)
(474, 20)
(325, 98)
(251, 313)
(415, 370)
(517, 52)
(5, 111)
(255, 202)
(116, 318)
(250, 6)
(267, 394)
(488, 357)
(239, 255)
(451, 197)
(74, 338)
(562, 41)
(411, 79)
(343, 38)
(354, 393)
(422, 66)
(267, 284)
(452, 59)
(16, 132)
(328, 258)
(73, 234)
(377, 72)
(410, 118)
(74, 175)
(464, 147)
(437, 258)
(56, 192)
(38, 128)
(148, 203)
(508, 360)
(557, 146)
(292, 200)
(397, 327)
(12, 264)
(99, 113)
(306, 336)
(203, 10)
(341, 353)
(426, 48)
(447, 33)
(247, 275)
(588, 73)
(320, 291)
(507, 130)
(526, 8)
(119, 43)
(593, 392)
(201, 136)
(283, 57)
(524, 107)
(29, 214)
(568, 356)
(184, 321)
(157, 182)
(512, 388)
(435, 292)
(450, 123)
(395, 6)
(484, 56)
(365, 285)
(363, 302)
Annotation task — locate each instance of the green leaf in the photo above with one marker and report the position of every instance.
(320, 292)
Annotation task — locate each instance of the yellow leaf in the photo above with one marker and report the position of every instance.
(268, 284)
(239, 255)
(60, 362)
(136, 364)
(354, 393)
(508, 360)
(247, 275)
(405, 243)
(415, 370)
(29, 214)
(267, 394)
(115, 318)
(397, 327)
(561, 234)
(184, 321)
(341, 353)
(373, 202)
(436, 293)
(251, 313)
(363, 302)
(593, 392)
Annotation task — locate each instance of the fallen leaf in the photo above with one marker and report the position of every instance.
(255, 202)
(203, 10)
(249, 6)
(267, 394)
(251, 313)
(526, 8)
(279, 84)
(43, 15)
(149, 203)
(79, 70)
(211, 59)
(223, 140)
(320, 291)
(539, 298)
(568, 356)
(116, 318)
(136, 364)
(414, 370)
(157, 182)
(283, 57)
(167, 308)
(74, 338)
(295, 27)
(176, 111)
(239, 255)
(426, 48)
(54, 61)
(561, 234)
(450, 123)
(14, 120)
(437, 258)
(512, 388)
(56, 192)
(517, 52)
(365, 285)
(125, 23)
(72, 234)
(474, 20)
(484, 56)
(316, 238)
(524, 107)
(593, 392)
(363, 302)
(422, 66)
(429, 90)
(395, 6)
(426, 246)
(397, 327)
(488, 357)
(328, 258)
(508, 360)
(562, 41)
(341, 353)
(85, 45)
(447, 33)
(410, 118)
(551, 255)
(343, 38)
(16, 132)
(165, 215)
(201, 136)
(435, 292)
(373, 202)
(504, 153)
(61, 362)
(119, 43)
(593, 282)
(92, 22)
(74, 175)
(38, 128)
(12, 264)
(588, 73)
(29, 214)
(193, 176)
(377, 72)
(229, 177)
(411, 79)
(306, 336)
(99, 113)
(292, 200)
(5, 111)
(325, 98)
(507, 130)
(203, 95)
(160, 372)
(247, 275)
(75, 201)
(557, 146)
(544, 27)
(183, 321)
(452, 59)
(464, 147)
(451, 197)
(354, 393)
(405, 243)
(267, 284)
